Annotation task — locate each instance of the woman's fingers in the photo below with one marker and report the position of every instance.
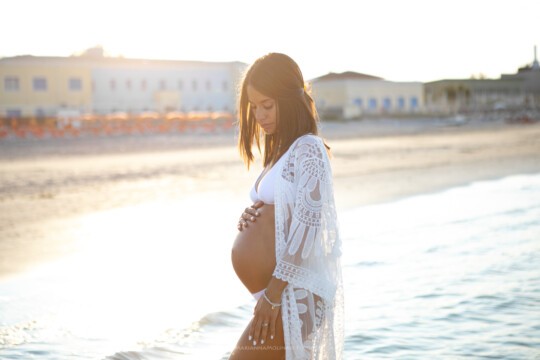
(241, 224)
(247, 216)
(264, 330)
(250, 214)
(255, 330)
(260, 331)
(254, 209)
(244, 222)
(272, 329)
(257, 204)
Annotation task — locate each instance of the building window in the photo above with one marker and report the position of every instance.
(40, 113)
(358, 102)
(14, 113)
(401, 102)
(112, 84)
(387, 103)
(225, 86)
(373, 103)
(162, 85)
(11, 83)
(128, 84)
(143, 85)
(414, 102)
(208, 85)
(194, 85)
(39, 84)
(180, 85)
(75, 84)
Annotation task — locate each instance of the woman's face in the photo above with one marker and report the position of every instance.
(264, 110)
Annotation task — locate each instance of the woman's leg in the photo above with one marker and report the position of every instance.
(270, 350)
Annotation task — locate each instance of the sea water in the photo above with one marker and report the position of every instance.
(449, 275)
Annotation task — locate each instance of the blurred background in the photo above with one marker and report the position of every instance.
(121, 184)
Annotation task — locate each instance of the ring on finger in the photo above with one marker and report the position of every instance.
(265, 324)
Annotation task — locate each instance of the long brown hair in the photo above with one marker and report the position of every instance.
(277, 76)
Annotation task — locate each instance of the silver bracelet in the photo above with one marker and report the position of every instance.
(274, 305)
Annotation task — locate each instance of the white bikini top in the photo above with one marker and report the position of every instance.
(265, 189)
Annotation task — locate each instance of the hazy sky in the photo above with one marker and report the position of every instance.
(402, 40)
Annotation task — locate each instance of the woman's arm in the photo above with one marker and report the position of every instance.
(309, 260)
(275, 289)
(266, 312)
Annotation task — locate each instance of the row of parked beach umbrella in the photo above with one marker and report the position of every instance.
(115, 124)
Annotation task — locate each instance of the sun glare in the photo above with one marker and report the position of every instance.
(412, 41)
(131, 266)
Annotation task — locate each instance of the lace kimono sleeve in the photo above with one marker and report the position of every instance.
(309, 259)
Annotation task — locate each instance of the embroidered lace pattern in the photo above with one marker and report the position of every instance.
(308, 250)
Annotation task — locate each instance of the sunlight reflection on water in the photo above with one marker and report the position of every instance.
(137, 271)
(446, 275)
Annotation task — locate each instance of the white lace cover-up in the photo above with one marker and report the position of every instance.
(308, 251)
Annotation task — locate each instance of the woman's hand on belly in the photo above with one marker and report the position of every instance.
(250, 214)
(253, 251)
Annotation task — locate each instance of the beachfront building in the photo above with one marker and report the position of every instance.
(510, 91)
(462, 95)
(350, 95)
(39, 86)
(136, 86)
(42, 86)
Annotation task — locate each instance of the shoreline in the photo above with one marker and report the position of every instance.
(388, 168)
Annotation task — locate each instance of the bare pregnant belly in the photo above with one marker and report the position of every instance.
(253, 253)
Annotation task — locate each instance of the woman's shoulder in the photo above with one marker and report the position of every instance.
(309, 145)
(308, 140)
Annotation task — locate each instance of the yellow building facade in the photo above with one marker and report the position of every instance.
(352, 95)
(37, 86)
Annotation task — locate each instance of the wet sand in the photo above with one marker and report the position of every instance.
(45, 183)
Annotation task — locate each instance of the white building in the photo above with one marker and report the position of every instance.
(350, 95)
(151, 85)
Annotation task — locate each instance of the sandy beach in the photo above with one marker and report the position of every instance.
(374, 161)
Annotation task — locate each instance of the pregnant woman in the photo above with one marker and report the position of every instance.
(287, 252)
